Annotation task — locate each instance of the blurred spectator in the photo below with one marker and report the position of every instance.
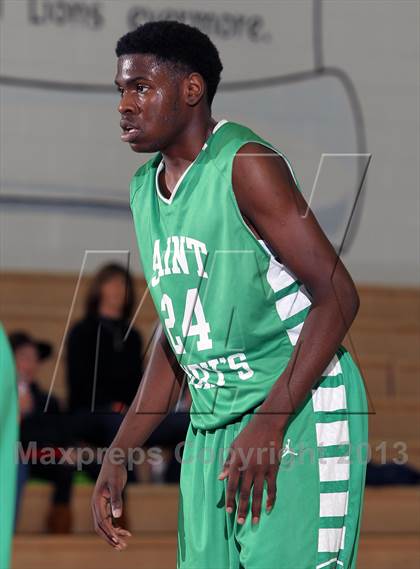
(43, 426)
(104, 360)
(104, 355)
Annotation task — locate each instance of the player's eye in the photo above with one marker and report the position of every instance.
(120, 91)
(142, 89)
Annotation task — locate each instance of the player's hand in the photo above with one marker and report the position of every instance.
(107, 504)
(253, 459)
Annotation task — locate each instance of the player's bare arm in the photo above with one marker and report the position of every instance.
(158, 392)
(277, 212)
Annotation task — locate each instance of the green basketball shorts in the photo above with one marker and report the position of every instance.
(315, 522)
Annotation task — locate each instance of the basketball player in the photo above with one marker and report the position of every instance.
(8, 438)
(254, 305)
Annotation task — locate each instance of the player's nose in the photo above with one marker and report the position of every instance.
(127, 103)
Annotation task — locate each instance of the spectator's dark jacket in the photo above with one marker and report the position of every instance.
(111, 375)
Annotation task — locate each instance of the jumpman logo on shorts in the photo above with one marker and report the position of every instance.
(287, 450)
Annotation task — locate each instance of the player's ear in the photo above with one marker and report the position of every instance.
(195, 89)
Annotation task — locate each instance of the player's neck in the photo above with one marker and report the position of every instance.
(188, 145)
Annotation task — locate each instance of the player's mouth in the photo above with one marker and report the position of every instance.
(129, 132)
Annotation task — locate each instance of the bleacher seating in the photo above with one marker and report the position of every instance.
(390, 531)
(159, 552)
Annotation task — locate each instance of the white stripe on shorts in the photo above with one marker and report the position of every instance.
(335, 433)
(334, 468)
(333, 504)
(329, 398)
(330, 539)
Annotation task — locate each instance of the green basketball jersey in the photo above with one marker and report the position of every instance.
(8, 438)
(231, 312)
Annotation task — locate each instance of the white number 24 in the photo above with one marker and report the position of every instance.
(193, 308)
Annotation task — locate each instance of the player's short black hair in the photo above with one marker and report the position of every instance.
(177, 43)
